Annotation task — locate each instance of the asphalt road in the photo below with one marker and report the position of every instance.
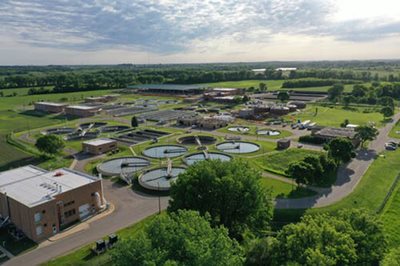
(348, 175)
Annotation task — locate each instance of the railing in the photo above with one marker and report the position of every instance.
(389, 193)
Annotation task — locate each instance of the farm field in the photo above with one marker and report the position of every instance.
(334, 116)
(272, 85)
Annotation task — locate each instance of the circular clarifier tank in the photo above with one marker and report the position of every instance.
(239, 129)
(197, 140)
(201, 156)
(165, 151)
(127, 165)
(268, 132)
(238, 147)
(160, 179)
(58, 131)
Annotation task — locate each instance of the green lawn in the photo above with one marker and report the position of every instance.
(395, 129)
(390, 219)
(334, 116)
(277, 162)
(373, 186)
(284, 190)
(84, 255)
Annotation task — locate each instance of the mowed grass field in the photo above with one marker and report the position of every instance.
(334, 116)
(393, 133)
(284, 190)
(278, 162)
(272, 85)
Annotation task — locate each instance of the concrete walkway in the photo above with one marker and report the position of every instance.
(348, 175)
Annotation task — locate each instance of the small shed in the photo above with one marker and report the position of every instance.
(283, 144)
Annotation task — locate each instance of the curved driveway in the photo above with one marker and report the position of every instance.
(348, 175)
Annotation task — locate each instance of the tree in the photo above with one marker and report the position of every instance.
(134, 122)
(50, 144)
(392, 258)
(387, 111)
(301, 172)
(263, 87)
(245, 99)
(283, 96)
(229, 191)
(365, 133)
(182, 238)
(335, 92)
(350, 237)
(345, 123)
(341, 150)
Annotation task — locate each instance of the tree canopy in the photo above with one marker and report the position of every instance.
(366, 133)
(229, 191)
(283, 96)
(134, 121)
(341, 150)
(181, 238)
(347, 238)
(335, 92)
(387, 111)
(50, 144)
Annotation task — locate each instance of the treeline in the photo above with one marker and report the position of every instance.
(305, 83)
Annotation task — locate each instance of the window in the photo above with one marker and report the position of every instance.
(39, 230)
(69, 203)
(38, 217)
(69, 213)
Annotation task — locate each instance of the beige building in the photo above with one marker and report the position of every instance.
(99, 146)
(50, 107)
(41, 203)
(82, 110)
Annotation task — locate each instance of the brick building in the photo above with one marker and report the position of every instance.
(50, 107)
(41, 203)
(99, 146)
(82, 110)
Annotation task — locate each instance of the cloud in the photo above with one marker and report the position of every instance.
(172, 26)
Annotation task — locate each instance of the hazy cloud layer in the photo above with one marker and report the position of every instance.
(171, 26)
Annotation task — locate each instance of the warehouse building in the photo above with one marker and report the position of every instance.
(99, 146)
(50, 107)
(41, 203)
(329, 133)
(82, 110)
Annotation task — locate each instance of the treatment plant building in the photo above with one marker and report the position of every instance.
(41, 203)
(50, 107)
(99, 146)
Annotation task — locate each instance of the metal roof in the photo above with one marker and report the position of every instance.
(98, 142)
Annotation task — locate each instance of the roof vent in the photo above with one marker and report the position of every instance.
(59, 173)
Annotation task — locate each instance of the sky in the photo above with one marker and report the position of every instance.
(41, 32)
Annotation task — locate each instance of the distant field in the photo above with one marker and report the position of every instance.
(272, 85)
(334, 116)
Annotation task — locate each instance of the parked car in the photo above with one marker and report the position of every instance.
(390, 147)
